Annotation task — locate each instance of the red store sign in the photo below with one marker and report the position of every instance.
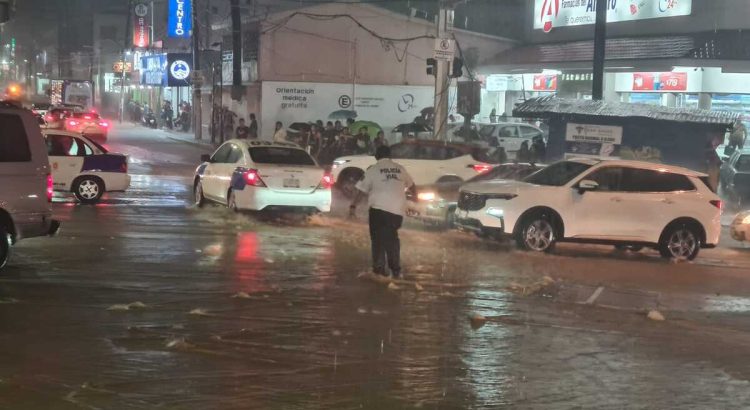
(545, 82)
(660, 81)
(141, 26)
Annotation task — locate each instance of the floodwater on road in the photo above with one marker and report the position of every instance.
(145, 301)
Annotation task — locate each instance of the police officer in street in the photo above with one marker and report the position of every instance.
(386, 184)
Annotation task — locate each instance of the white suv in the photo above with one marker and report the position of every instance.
(624, 203)
(25, 181)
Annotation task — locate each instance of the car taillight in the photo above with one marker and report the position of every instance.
(717, 203)
(104, 124)
(481, 168)
(252, 178)
(49, 118)
(50, 187)
(72, 123)
(326, 182)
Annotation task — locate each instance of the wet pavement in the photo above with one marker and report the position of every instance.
(145, 302)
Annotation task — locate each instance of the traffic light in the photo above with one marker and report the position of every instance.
(431, 66)
(457, 70)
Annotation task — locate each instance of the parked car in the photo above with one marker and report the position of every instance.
(429, 162)
(84, 167)
(623, 203)
(25, 181)
(437, 204)
(509, 135)
(259, 175)
(734, 177)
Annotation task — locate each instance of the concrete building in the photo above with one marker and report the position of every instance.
(685, 53)
(303, 65)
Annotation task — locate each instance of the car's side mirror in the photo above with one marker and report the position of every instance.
(205, 158)
(587, 185)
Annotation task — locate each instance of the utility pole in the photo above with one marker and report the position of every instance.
(600, 40)
(128, 18)
(442, 79)
(197, 106)
(236, 51)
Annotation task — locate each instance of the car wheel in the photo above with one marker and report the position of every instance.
(680, 241)
(629, 248)
(88, 190)
(347, 182)
(198, 197)
(537, 233)
(232, 202)
(5, 243)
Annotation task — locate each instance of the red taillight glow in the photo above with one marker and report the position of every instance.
(50, 187)
(104, 124)
(49, 118)
(253, 179)
(481, 168)
(326, 182)
(717, 203)
(72, 123)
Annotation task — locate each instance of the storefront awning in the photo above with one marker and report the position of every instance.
(726, 49)
(551, 106)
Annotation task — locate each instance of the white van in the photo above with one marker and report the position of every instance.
(25, 180)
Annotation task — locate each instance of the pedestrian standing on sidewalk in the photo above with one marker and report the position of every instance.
(243, 131)
(253, 127)
(279, 134)
(385, 184)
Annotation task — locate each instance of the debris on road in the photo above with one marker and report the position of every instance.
(129, 306)
(198, 312)
(241, 295)
(477, 321)
(656, 316)
(542, 287)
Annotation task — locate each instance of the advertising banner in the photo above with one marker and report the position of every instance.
(545, 82)
(591, 140)
(180, 19)
(549, 14)
(179, 68)
(141, 26)
(154, 70)
(385, 105)
(669, 81)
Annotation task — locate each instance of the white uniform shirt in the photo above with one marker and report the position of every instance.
(280, 135)
(386, 183)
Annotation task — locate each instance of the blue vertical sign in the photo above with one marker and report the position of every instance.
(180, 20)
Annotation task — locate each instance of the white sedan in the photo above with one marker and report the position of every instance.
(429, 162)
(84, 167)
(262, 175)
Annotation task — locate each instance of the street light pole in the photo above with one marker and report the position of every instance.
(600, 41)
(442, 80)
(197, 106)
(124, 51)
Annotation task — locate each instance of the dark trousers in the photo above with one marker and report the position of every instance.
(384, 228)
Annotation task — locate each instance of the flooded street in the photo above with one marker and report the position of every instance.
(145, 302)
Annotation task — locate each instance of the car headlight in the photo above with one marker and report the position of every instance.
(496, 212)
(426, 196)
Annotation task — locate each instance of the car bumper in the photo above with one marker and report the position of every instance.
(432, 211)
(35, 225)
(116, 181)
(257, 199)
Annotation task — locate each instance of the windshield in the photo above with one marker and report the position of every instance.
(558, 174)
(280, 156)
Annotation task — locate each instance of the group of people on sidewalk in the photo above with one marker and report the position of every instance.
(324, 142)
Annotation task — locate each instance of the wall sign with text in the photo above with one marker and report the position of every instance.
(660, 81)
(180, 18)
(549, 14)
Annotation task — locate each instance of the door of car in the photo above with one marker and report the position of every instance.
(653, 199)
(223, 172)
(210, 179)
(509, 138)
(66, 154)
(603, 213)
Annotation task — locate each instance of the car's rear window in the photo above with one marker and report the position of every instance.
(100, 146)
(280, 156)
(14, 143)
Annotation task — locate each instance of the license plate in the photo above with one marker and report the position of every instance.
(291, 183)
